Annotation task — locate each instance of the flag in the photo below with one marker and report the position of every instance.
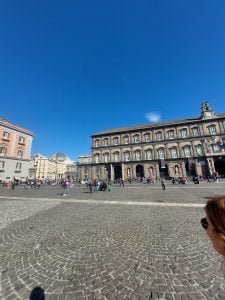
(222, 146)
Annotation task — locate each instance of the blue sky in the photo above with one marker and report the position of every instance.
(69, 69)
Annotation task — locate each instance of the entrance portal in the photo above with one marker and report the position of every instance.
(190, 168)
(140, 171)
(163, 170)
(220, 166)
(117, 172)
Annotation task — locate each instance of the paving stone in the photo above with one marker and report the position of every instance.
(107, 251)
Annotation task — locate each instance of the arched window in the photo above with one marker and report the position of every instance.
(126, 139)
(106, 142)
(115, 141)
(159, 136)
(106, 157)
(147, 137)
(161, 153)
(148, 154)
(97, 143)
(183, 132)
(173, 152)
(126, 156)
(137, 155)
(136, 138)
(116, 156)
(187, 151)
(195, 131)
(97, 158)
(170, 134)
(212, 129)
(199, 150)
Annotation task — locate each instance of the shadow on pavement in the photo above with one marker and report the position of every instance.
(37, 294)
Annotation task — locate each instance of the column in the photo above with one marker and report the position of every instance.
(183, 169)
(112, 172)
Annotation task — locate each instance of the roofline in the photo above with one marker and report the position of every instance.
(9, 125)
(157, 125)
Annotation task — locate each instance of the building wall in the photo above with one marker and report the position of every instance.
(15, 150)
(191, 147)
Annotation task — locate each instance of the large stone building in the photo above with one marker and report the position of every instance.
(15, 151)
(188, 147)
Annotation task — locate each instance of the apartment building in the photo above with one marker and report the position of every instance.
(180, 148)
(15, 151)
(56, 167)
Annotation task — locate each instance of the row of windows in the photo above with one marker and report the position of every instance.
(3, 152)
(158, 136)
(18, 166)
(6, 136)
(160, 154)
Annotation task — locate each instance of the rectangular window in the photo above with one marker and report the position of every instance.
(21, 140)
(3, 151)
(18, 166)
(5, 135)
(19, 154)
(2, 165)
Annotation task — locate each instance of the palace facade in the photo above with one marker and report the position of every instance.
(181, 148)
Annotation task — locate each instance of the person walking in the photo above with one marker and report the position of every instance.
(163, 185)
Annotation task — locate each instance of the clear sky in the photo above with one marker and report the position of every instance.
(70, 68)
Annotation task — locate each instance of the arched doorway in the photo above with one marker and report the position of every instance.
(140, 171)
(117, 172)
(163, 170)
(190, 168)
(220, 166)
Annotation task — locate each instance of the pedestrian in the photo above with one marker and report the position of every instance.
(163, 185)
(109, 186)
(214, 224)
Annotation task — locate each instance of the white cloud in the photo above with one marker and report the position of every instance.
(153, 117)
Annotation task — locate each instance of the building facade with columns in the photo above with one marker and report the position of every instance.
(56, 167)
(181, 148)
(15, 151)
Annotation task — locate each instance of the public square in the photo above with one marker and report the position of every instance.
(136, 242)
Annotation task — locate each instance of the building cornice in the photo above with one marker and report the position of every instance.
(162, 125)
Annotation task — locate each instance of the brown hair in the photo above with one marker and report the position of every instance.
(215, 210)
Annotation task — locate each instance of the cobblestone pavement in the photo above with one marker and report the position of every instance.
(100, 251)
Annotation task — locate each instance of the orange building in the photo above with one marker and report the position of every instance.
(15, 151)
